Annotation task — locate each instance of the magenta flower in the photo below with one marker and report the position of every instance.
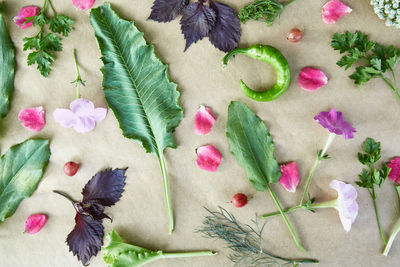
(209, 158)
(25, 12)
(394, 173)
(290, 176)
(83, 4)
(32, 119)
(311, 79)
(333, 10)
(82, 115)
(35, 223)
(203, 121)
(346, 203)
(335, 123)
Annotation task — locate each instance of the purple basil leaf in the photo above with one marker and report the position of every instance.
(105, 187)
(166, 10)
(86, 238)
(94, 209)
(226, 33)
(196, 22)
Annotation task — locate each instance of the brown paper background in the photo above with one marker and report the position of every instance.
(140, 217)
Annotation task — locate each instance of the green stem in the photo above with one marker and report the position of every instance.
(288, 3)
(52, 8)
(64, 195)
(289, 225)
(167, 195)
(78, 78)
(377, 216)
(389, 83)
(285, 211)
(188, 254)
(396, 230)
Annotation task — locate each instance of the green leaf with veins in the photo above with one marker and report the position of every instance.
(267, 10)
(137, 86)
(61, 24)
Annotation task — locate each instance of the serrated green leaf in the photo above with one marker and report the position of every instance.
(21, 170)
(50, 42)
(31, 43)
(7, 69)
(252, 146)
(61, 24)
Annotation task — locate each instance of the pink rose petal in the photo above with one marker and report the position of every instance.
(208, 158)
(311, 79)
(25, 12)
(290, 176)
(394, 174)
(203, 121)
(333, 10)
(32, 119)
(83, 4)
(35, 223)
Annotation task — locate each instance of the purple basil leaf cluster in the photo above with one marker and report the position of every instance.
(103, 190)
(216, 21)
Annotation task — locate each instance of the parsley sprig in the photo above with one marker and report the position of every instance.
(375, 59)
(372, 177)
(43, 45)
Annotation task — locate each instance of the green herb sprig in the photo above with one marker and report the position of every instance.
(43, 45)
(375, 59)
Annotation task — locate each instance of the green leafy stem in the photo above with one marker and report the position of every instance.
(395, 231)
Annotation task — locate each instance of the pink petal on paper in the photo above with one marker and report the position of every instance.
(65, 117)
(25, 12)
(311, 79)
(83, 4)
(290, 176)
(32, 119)
(84, 124)
(99, 114)
(82, 107)
(203, 121)
(394, 173)
(208, 158)
(333, 10)
(35, 223)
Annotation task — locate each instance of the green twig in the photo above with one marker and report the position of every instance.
(374, 196)
(167, 194)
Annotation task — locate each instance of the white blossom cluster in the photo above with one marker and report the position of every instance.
(388, 10)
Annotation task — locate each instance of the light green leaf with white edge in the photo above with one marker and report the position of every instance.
(252, 145)
(21, 170)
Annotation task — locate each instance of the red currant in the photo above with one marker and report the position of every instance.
(294, 35)
(239, 200)
(71, 168)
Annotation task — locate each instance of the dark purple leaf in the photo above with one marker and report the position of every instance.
(105, 187)
(92, 208)
(196, 22)
(86, 238)
(167, 10)
(225, 35)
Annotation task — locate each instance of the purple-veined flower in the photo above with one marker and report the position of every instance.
(82, 115)
(334, 122)
(25, 12)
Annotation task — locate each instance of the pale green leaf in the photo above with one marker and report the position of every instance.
(252, 146)
(7, 68)
(21, 170)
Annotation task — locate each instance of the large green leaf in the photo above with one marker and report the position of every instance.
(21, 170)
(252, 146)
(7, 67)
(136, 86)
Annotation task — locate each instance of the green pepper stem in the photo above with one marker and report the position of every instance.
(232, 53)
(288, 224)
(396, 230)
(374, 196)
(167, 194)
(188, 254)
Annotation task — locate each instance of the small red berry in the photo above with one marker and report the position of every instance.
(239, 200)
(71, 168)
(294, 35)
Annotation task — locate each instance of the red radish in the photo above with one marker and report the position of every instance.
(239, 200)
(71, 168)
(294, 35)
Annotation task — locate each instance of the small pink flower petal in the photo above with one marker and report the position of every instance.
(32, 119)
(203, 121)
(333, 10)
(83, 4)
(35, 223)
(65, 117)
(346, 203)
(84, 124)
(82, 107)
(209, 158)
(25, 12)
(99, 114)
(311, 79)
(290, 176)
(394, 173)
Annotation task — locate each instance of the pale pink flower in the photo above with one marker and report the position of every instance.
(311, 79)
(83, 4)
(394, 173)
(25, 12)
(203, 121)
(32, 119)
(290, 176)
(208, 158)
(35, 223)
(333, 10)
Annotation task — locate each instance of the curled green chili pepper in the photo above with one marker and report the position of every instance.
(272, 56)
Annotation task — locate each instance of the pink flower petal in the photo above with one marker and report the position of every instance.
(83, 4)
(346, 203)
(290, 176)
(32, 119)
(82, 107)
(35, 223)
(394, 174)
(99, 114)
(208, 158)
(84, 124)
(65, 117)
(333, 10)
(203, 121)
(311, 79)
(27, 11)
